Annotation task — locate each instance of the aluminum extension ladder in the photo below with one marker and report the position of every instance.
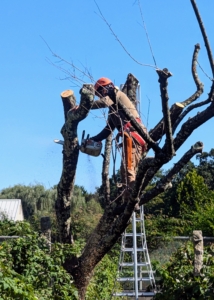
(135, 272)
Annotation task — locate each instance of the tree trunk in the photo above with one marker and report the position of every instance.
(105, 169)
(70, 158)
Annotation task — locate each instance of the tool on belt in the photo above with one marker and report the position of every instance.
(129, 133)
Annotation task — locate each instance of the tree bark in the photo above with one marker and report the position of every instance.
(70, 159)
(68, 101)
(130, 88)
(105, 169)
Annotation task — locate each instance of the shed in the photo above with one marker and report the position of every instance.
(11, 209)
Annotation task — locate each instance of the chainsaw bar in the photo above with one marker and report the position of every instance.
(59, 142)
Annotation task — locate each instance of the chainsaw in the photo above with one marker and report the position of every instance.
(88, 146)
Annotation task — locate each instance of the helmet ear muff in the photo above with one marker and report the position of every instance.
(104, 90)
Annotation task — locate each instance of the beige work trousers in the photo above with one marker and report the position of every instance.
(128, 175)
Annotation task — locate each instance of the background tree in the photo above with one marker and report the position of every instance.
(206, 167)
(35, 198)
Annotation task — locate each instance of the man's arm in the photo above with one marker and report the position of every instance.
(102, 103)
(105, 132)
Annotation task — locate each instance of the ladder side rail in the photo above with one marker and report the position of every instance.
(146, 253)
(135, 254)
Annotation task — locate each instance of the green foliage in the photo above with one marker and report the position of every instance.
(177, 280)
(203, 219)
(13, 285)
(30, 270)
(170, 206)
(189, 207)
(206, 167)
(192, 192)
(103, 281)
(85, 215)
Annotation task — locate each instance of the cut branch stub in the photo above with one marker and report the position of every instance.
(163, 76)
(68, 100)
(130, 88)
(159, 130)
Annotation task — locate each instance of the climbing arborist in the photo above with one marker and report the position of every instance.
(133, 144)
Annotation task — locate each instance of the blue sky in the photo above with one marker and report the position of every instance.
(31, 79)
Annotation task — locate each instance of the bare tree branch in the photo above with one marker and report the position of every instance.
(159, 130)
(199, 85)
(163, 76)
(165, 182)
(187, 110)
(147, 35)
(203, 31)
(190, 125)
(138, 127)
(119, 41)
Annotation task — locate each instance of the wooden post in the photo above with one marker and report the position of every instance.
(198, 250)
(46, 230)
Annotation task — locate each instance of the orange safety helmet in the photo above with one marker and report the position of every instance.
(103, 81)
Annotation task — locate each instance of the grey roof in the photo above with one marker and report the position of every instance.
(9, 208)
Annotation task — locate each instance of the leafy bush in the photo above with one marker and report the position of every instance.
(177, 279)
(29, 271)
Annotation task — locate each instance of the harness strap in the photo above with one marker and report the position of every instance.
(127, 128)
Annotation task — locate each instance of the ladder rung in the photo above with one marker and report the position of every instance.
(131, 234)
(131, 264)
(133, 279)
(144, 294)
(132, 249)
